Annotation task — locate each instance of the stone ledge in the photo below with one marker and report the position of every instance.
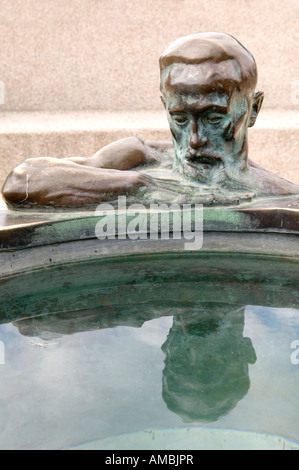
(95, 121)
(274, 141)
(80, 121)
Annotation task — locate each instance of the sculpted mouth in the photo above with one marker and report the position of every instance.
(197, 158)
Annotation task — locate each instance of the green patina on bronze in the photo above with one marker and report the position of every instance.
(123, 283)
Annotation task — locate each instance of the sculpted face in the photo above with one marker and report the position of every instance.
(208, 119)
(200, 383)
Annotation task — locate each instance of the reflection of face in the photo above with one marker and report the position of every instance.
(206, 364)
(208, 119)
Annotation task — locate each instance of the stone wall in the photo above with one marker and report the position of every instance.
(103, 54)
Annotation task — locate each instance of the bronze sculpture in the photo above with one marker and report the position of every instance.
(208, 85)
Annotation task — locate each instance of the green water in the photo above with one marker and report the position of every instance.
(155, 353)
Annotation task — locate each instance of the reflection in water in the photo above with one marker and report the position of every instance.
(207, 357)
(206, 364)
(105, 376)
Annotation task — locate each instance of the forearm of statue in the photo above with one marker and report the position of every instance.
(58, 183)
(123, 154)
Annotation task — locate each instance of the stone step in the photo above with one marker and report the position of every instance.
(274, 140)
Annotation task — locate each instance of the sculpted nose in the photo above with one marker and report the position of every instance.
(197, 139)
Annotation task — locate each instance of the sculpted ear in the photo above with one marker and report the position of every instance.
(257, 101)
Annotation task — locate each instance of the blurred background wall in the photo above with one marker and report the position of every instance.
(65, 64)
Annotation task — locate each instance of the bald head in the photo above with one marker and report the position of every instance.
(207, 59)
(208, 85)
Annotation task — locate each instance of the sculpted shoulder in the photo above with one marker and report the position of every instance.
(271, 184)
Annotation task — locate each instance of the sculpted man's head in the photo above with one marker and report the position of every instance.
(207, 360)
(208, 85)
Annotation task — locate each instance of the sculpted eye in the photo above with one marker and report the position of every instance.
(180, 119)
(213, 119)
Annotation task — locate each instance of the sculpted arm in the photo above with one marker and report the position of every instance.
(78, 181)
(125, 154)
